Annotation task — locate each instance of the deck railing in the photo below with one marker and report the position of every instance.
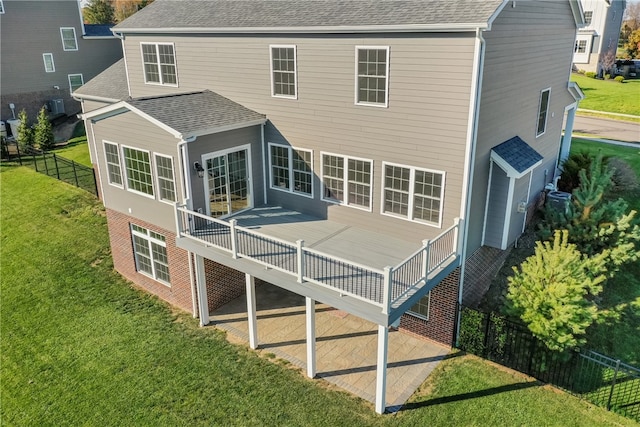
(384, 288)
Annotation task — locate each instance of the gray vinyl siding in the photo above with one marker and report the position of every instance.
(513, 78)
(29, 29)
(496, 207)
(520, 188)
(133, 131)
(424, 126)
(86, 107)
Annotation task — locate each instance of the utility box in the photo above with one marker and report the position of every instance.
(559, 201)
(56, 106)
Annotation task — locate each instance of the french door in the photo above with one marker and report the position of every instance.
(228, 184)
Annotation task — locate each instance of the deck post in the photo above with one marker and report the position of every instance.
(456, 238)
(201, 283)
(301, 272)
(178, 226)
(381, 373)
(251, 311)
(425, 263)
(386, 290)
(311, 337)
(234, 238)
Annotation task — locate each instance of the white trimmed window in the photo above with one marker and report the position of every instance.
(543, 110)
(150, 253)
(137, 165)
(580, 47)
(283, 72)
(421, 309)
(588, 16)
(75, 81)
(412, 193)
(347, 180)
(166, 181)
(291, 169)
(372, 72)
(114, 170)
(159, 63)
(68, 35)
(49, 66)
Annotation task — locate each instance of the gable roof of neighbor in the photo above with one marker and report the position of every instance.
(108, 86)
(186, 115)
(311, 15)
(515, 157)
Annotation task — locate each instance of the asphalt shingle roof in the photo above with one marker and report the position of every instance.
(98, 30)
(109, 84)
(196, 112)
(230, 14)
(518, 154)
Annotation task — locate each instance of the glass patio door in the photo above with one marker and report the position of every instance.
(228, 186)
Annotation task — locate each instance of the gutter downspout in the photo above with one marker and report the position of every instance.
(124, 57)
(474, 112)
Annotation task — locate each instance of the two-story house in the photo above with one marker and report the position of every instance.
(599, 36)
(47, 52)
(363, 154)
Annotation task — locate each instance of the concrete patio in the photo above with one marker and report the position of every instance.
(346, 345)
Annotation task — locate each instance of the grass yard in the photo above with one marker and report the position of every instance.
(609, 95)
(76, 150)
(81, 347)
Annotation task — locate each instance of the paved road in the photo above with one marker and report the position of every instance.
(607, 129)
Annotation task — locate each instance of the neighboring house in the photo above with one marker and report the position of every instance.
(599, 37)
(354, 153)
(46, 53)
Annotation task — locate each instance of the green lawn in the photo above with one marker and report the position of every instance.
(81, 347)
(76, 150)
(609, 95)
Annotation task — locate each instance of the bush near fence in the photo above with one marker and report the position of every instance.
(602, 380)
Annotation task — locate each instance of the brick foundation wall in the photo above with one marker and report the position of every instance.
(441, 325)
(224, 284)
(179, 293)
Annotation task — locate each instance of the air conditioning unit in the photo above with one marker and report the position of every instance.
(56, 106)
(559, 200)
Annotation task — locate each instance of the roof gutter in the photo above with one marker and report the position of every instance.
(80, 97)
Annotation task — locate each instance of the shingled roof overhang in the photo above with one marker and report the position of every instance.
(516, 157)
(185, 115)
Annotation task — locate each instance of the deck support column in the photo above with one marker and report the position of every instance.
(201, 285)
(311, 337)
(381, 373)
(251, 311)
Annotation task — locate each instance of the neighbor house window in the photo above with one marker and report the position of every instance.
(372, 71)
(421, 309)
(49, 66)
(75, 81)
(412, 193)
(542, 112)
(291, 169)
(69, 41)
(159, 64)
(581, 46)
(1, 7)
(283, 71)
(347, 180)
(137, 165)
(150, 253)
(114, 170)
(588, 16)
(166, 182)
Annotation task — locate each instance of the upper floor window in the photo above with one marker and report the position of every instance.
(166, 182)
(114, 171)
(542, 111)
(291, 169)
(69, 41)
(347, 180)
(412, 193)
(588, 16)
(372, 71)
(137, 166)
(1, 7)
(580, 47)
(283, 71)
(159, 64)
(150, 253)
(75, 81)
(49, 66)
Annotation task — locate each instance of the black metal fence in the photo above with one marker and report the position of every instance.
(52, 165)
(604, 381)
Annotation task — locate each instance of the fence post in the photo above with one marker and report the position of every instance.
(301, 264)
(55, 162)
(485, 346)
(46, 166)
(613, 384)
(95, 182)
(531, 351)
(75, 175)
(35, 161)
(234, 238)
(18, 151)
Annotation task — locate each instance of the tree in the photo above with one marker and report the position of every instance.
(99, 12)
(43, 133)
(630, 22)
(632, 46)
(125, 8)
(552, 292)
(25, 133)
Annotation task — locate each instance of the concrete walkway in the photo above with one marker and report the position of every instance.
(346, 345)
